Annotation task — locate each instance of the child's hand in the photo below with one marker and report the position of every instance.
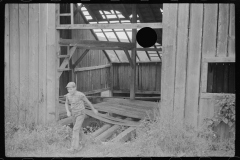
(95, 111)
(68, 114)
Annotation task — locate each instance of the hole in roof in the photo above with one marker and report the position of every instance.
(93, 22)
(103, 16)
(155, 58)
(120, 16)
(103, 22)
(143, 56)
(111, 36)
(122, 56)
(131, 16)
(106, 12)
(114, 21)
(101, 37)
(122, 36)
(118, 29)
(111, 16)
(97, 30)
(107, 30)
(79, 4)
(88, 17)
(86, 13)
(125, 21)
(83, 9)
(112, 55)
(100, 12)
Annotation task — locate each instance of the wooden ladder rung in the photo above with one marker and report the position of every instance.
(63, 56)
(60, 70)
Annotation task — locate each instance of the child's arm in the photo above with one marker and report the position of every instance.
(89, 104)
(67, 109)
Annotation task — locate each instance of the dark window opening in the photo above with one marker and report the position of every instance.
(221, 78)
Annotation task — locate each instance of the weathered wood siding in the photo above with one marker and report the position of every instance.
(148, 77)
(86, 80)
(30, 63)
(193, 36)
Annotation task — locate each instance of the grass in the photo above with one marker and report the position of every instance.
(160, 137)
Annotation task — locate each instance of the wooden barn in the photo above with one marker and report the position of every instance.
(94, 45)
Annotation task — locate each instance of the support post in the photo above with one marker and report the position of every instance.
(133, 69)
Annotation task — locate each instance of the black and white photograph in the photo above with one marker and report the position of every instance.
(119, 79)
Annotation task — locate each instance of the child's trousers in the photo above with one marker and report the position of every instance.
(77, 121)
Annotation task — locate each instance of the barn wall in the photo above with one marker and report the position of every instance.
(148, 77)
(91, 79)
(30, 63)
(193, 36)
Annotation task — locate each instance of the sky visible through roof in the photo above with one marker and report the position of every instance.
(119, 35)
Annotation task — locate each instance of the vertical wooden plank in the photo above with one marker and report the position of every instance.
(168, 58)
(23, 33)
(204, 76)
(206, 110)
(223, 23)
(231, 34)
(210, 30)
(193, 65)
(72, 15)
(181, 61)
(133, 54)
(32, 115)
(14, 64)
(7, 63)
(42, 62)
(57, 50)
(51, 55)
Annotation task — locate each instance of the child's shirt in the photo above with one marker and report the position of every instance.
(76, 102)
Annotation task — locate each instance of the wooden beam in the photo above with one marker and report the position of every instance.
(129, 58)
(96, 44)
(219, 59)
(137, 92)
(139, 62)
(96, 91)
(111, 26)
(101, 130)
(72, 15)
(133, 70)
(123, 134)
(106, 134)
(149, 49)
(91, 68)
(212, 95)
(80, 58)
(58, 49)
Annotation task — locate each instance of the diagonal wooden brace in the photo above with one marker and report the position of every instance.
(129, 58)
(65, 62)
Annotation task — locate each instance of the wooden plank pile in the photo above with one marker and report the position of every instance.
(125, 110)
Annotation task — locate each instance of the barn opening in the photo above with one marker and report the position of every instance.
(107, 72)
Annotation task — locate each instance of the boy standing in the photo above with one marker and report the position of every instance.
(76, 100)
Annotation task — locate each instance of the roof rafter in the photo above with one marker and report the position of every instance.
(123, 29)
(85, 20)
(102, 30)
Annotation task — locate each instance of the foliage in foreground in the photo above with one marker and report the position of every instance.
(160, 137)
